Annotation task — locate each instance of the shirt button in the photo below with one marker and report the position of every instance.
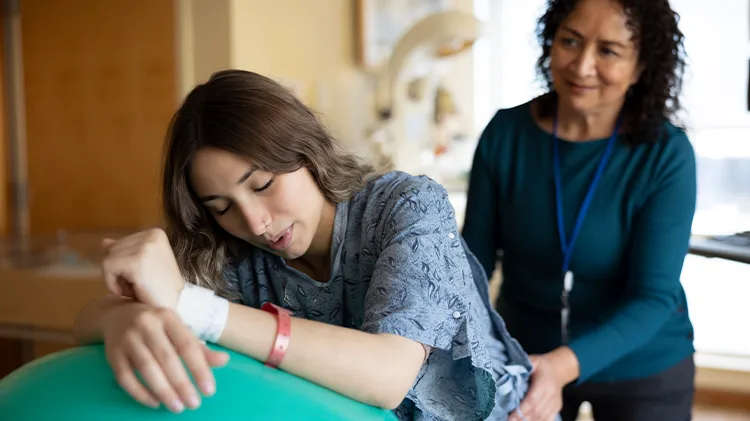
(456, 314)
(451, 235)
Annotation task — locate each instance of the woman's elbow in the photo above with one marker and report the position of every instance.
(386, 390)
(396, 381)
(392, 402)
(391, 396)
(391, 386)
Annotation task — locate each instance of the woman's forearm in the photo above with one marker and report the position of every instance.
(88, 324)
(374, 369)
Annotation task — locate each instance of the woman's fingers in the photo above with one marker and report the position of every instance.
(124, 373)
(116, 273)
(126, 288)
(215, 358)
(542, 408)
(153, 374)
(107, 243)
(531, 406)
(535, 360)
(167, 355)
(191, 350)
(144, 260)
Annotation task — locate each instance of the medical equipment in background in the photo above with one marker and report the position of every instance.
(406, 88)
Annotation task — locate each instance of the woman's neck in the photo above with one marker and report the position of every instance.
(577, 126)
(316, 263)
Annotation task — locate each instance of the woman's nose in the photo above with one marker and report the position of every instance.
(585, 64)
(257, 221)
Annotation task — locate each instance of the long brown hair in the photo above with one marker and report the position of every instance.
(253, 116)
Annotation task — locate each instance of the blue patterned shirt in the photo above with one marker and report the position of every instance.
(400, 266)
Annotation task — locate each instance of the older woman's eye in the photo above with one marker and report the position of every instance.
(569, 42)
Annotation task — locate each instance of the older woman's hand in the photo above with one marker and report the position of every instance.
(143, 267)
(552, 371)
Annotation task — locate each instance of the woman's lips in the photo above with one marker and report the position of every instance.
(283, 240)
(577, 88)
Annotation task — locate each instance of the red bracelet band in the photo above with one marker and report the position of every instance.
(283, 331)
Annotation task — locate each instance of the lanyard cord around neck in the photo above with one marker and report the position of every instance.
(565, 245)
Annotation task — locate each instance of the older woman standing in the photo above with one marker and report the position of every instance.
(589, 191)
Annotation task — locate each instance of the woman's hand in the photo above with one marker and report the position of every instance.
(551, 372)
(142, 266)
(154, 342)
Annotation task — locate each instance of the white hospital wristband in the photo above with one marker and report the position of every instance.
(204, 313)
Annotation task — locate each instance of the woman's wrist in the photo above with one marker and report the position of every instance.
(94, 318)
(203, 312)
(565, 363)
(113, 308)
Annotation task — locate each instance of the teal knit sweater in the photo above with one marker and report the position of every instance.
(629, 317)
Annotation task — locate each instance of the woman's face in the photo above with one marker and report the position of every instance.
(593, 58)
(280, 213)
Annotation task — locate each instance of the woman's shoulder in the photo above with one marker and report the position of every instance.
(673, 146)
(514, 116)
(508, 127)
(398, 201)
(677, 137)
(399, 185)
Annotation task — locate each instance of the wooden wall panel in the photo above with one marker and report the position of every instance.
(11, 355)
(4, 152)
(101, 82)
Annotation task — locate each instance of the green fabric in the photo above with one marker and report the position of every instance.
(78, 384)
(629, 316)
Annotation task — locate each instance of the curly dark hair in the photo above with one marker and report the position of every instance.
(654, 99)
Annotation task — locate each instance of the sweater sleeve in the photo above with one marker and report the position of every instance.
(480, 228)
(657, 248)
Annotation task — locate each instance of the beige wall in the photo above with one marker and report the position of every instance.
(308, 45)
(203, 40)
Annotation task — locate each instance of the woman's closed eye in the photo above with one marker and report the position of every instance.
(228, 207)
(223, 211)
(264, 187)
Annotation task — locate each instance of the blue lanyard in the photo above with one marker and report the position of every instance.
(567, 247)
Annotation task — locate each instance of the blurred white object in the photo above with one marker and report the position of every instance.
(406, 86)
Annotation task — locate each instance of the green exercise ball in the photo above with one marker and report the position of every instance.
(78, 384)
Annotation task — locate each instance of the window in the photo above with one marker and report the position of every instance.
(715, 97)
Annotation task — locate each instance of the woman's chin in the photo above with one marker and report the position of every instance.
(290, 253)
